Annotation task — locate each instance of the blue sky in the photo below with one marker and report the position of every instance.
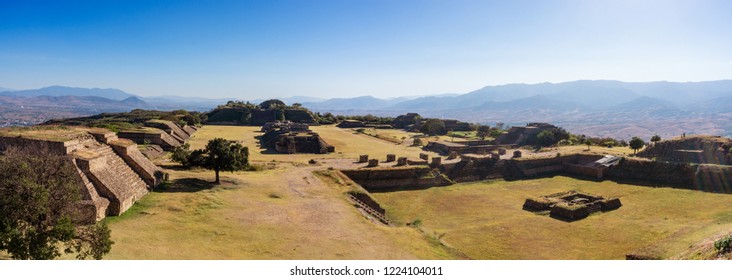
(259, 49)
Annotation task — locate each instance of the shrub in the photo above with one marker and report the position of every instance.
(723, 245)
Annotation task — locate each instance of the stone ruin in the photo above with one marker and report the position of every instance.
(571, 205)
(113, 174)
(373, 163)
(692, 149)
(390, 157)
(464, 147)
(291, 138)
(165, 134)
(523, 135)
(452, 155)
(363, 158)
(401, 161)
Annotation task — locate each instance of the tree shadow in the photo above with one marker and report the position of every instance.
(185, 185)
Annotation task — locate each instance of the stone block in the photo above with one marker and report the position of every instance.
(424, 156)
(436, 161)
(373, 163)
(401, 161)
(390, 157)
(452, 155)
(363, 158)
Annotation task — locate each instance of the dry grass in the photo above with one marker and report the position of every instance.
(348, 143)
(485, 221)
(280, 213)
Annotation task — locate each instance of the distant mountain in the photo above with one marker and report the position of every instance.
(5, 89)
(110, 93)
(361, 103)
(594, 107)
(717, 105)
(135, 102)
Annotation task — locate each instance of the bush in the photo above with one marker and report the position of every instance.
(723, 245)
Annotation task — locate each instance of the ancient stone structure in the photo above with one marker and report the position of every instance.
(403, 121)
(301, 127)
(516, 154)
(390, 157)
(363, 158)
(692, 149)
(373, 163)
(523, 135)
(401, 161)
(452, 155)
(424, 156)
(166, 134)
(417, 162)
(571, 205)
(112, 171)
(388, 179)
(463, 147)
(246, 116)
(351, 124)
(286, 140)
(436, 161)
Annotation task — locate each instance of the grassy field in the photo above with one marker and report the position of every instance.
(282, 213)
(348, 143)
(286, 212)
(485, 220)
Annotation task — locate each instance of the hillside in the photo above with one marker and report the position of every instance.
(598, 108)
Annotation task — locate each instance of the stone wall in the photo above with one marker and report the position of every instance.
(171, 128)
(667, 173)
(112, 177)
(693, 149)
(56, 147)
(390, 179)
(108, 183)
(148, 171)
(159, 138)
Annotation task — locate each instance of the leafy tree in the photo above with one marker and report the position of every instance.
(223, 155)
(588, 142)
(546, 138)
(38, 196)
(181, 154)
(433, 127)
(483, 131)
(655, 138)
(636, 143)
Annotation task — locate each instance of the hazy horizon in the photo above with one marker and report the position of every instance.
(327, 49)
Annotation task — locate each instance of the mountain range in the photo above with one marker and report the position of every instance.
(592, 107)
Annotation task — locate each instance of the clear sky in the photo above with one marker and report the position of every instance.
(258, 49)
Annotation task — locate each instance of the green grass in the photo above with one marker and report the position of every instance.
(485, 221)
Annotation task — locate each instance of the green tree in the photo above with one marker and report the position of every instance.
(223, 155)
(588, 143)
(181, 155)
(636, 143)
(546, 138)
(433, 127)
(38, 196)
(483, 131)
(655, 138)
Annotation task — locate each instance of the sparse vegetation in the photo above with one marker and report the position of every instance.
(635, 144)
(723, 245)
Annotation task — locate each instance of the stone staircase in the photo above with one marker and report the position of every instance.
(380, 217)
(113, 177)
